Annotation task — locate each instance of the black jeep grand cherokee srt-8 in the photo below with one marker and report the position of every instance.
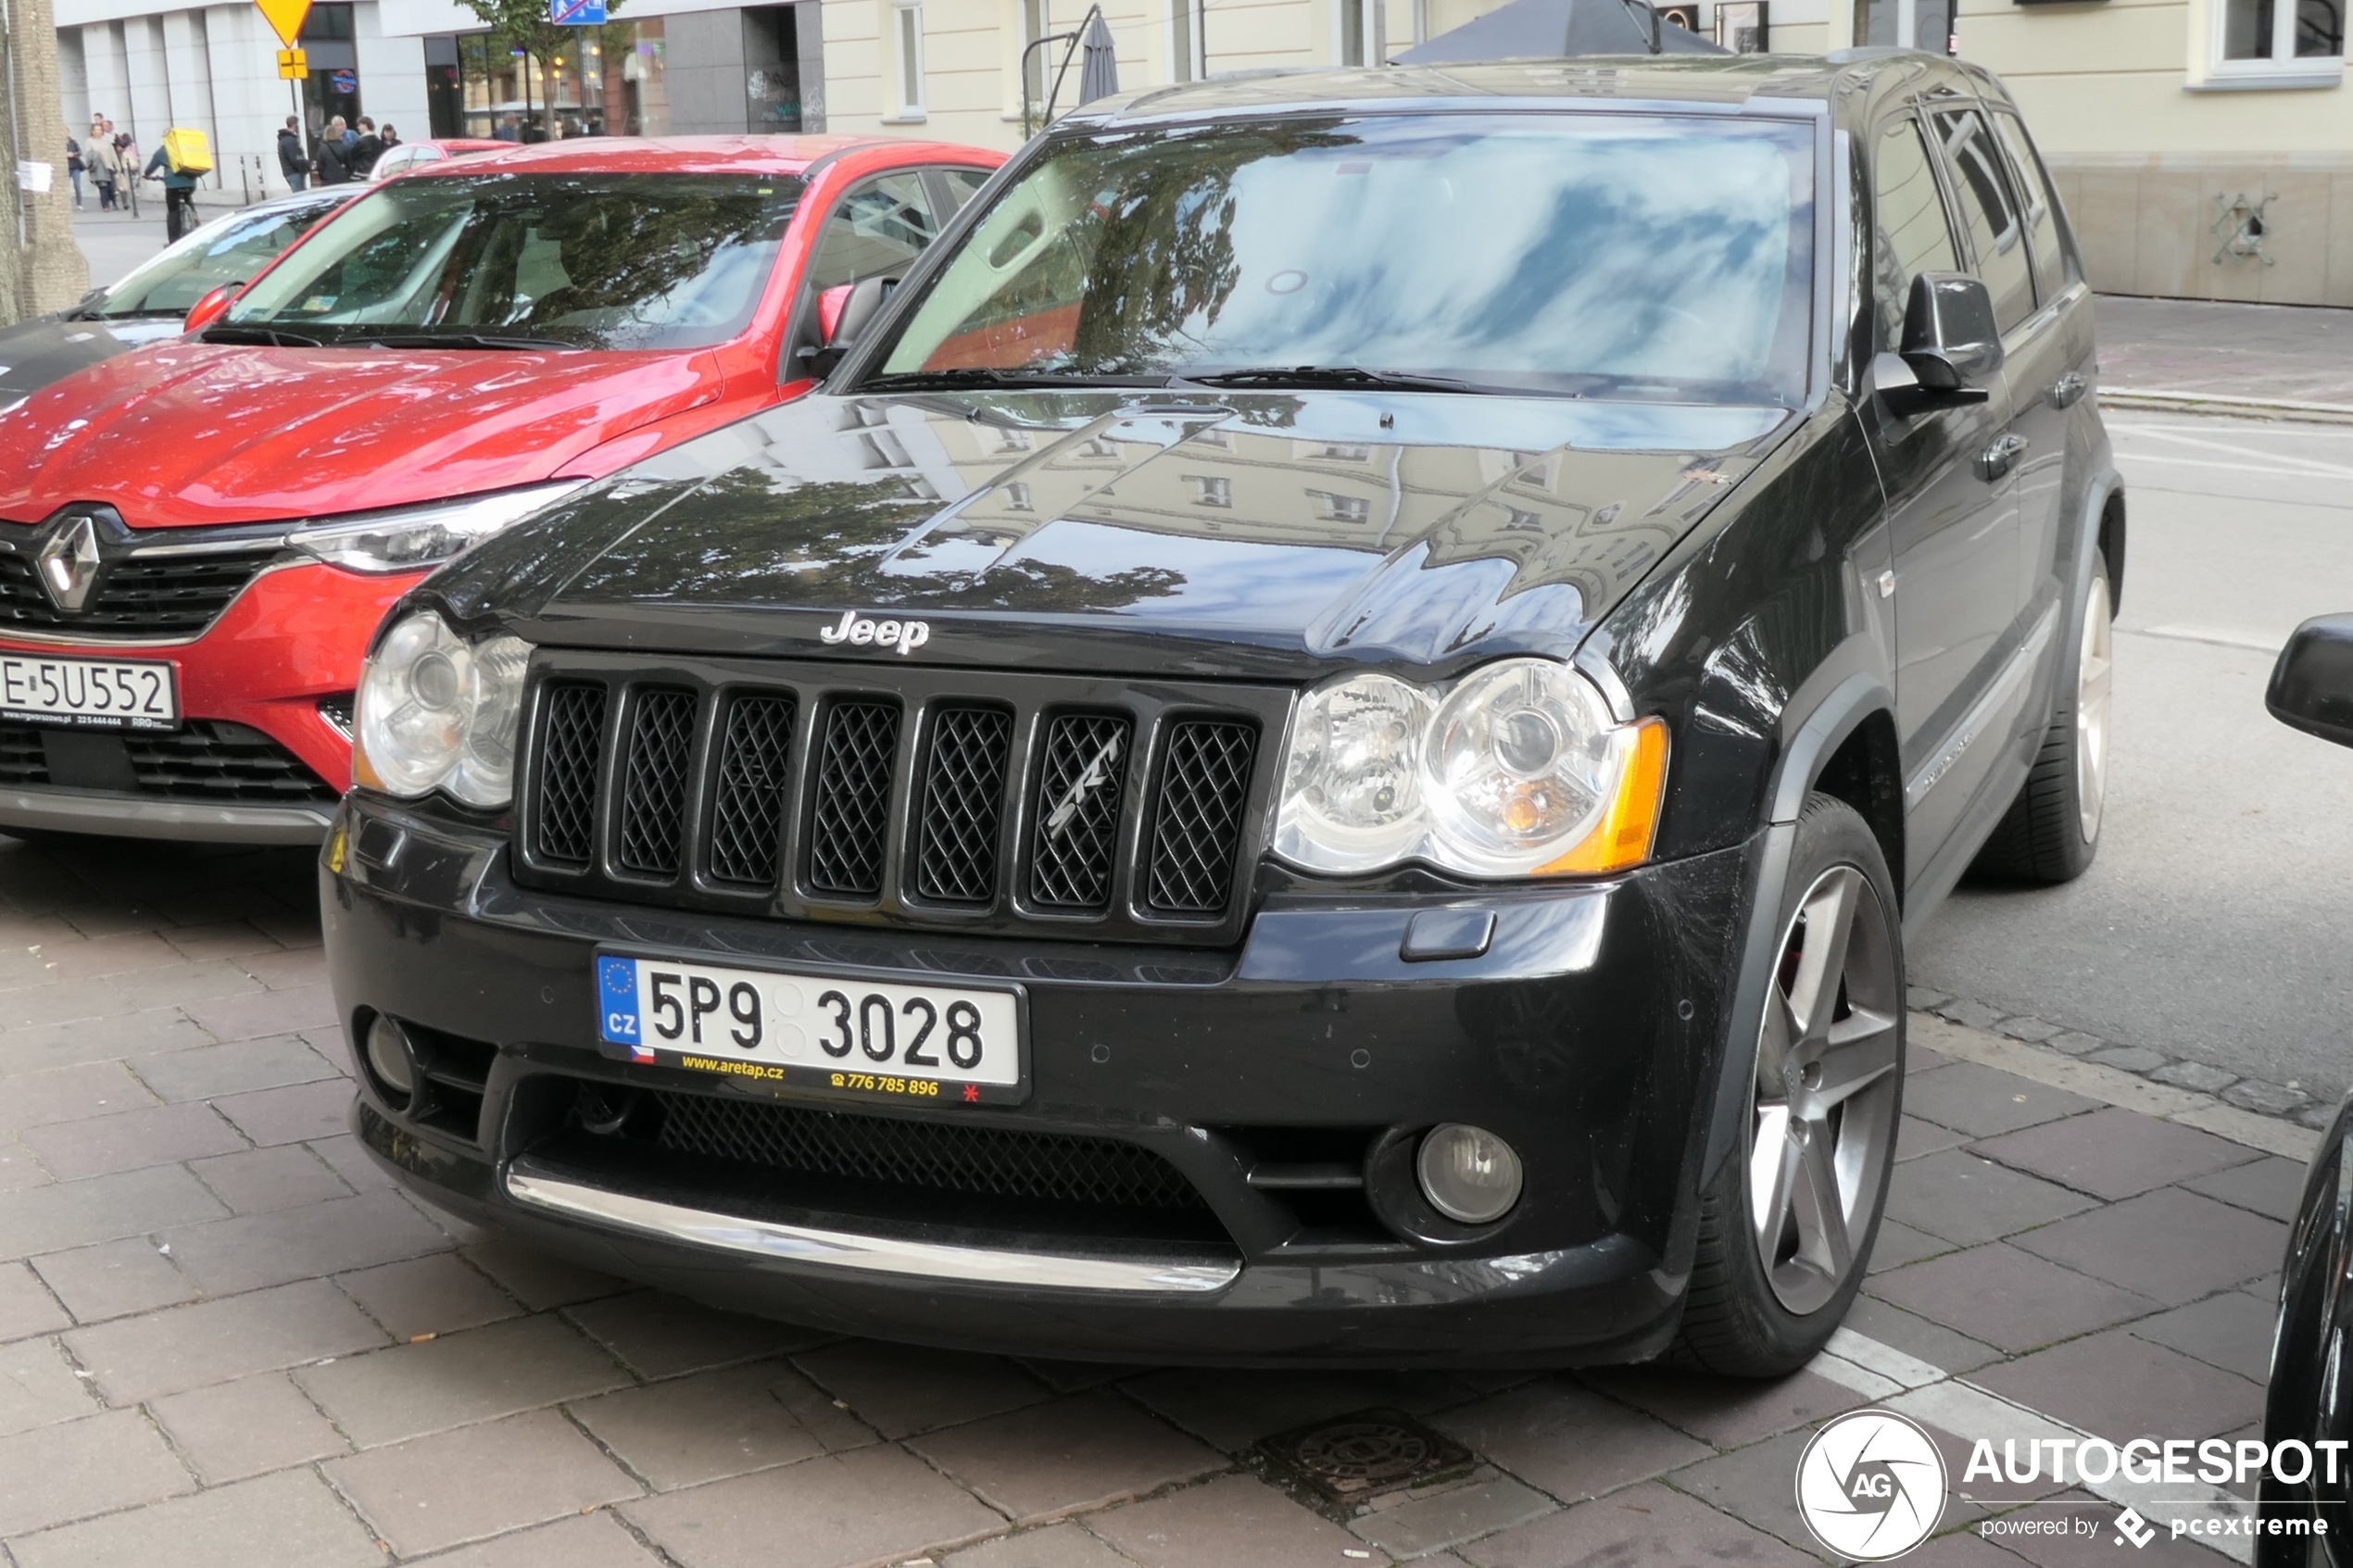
(1317, 749)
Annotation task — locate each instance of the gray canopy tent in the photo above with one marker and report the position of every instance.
(1555, 29)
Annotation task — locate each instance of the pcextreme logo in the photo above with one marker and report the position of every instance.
(1870, 1486)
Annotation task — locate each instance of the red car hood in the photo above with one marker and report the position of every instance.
(185, 434)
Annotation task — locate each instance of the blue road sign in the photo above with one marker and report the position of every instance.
(577, 13)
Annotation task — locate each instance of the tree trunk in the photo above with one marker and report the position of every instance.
(51, 273)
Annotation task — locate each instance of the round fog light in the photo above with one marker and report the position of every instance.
(1468, 1174)
(388, 1058)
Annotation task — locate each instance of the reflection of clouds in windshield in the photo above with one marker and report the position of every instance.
(1582, 253)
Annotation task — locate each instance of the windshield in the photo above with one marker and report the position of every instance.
(579, 260)
(1613, 255)
(228, 251)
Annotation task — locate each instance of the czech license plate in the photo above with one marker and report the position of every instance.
(867, 1037)
(97, 694)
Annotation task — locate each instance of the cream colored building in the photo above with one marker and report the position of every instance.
(2203, 148)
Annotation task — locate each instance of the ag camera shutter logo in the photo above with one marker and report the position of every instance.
(1870, 1486)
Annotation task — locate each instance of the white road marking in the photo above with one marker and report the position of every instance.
(2270, 461)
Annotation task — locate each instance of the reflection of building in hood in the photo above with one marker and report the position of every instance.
(1277, 518)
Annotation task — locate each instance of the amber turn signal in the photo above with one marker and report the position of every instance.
(1629, 823)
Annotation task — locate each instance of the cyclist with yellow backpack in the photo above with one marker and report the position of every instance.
(184, 157)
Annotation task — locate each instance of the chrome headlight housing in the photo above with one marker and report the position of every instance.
(437, 713)
(1518, 769)
(412, 538)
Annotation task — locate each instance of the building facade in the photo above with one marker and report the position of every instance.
(2203, 148)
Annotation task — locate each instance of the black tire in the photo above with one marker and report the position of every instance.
(2041, 838)
(1734, 1323)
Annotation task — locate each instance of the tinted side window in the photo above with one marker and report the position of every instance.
(1990, 211)
(879, 229)
(1909, 232)
(2042, 212)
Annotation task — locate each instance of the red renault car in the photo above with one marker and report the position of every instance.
(196, 538)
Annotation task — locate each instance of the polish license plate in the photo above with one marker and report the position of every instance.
(97, 694)
(926, 1044)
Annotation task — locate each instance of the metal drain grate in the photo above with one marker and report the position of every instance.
(1350, 1458)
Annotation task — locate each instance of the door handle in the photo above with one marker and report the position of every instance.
(2000, 458)
(2070, 389)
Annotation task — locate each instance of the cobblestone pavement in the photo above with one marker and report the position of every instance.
(225, 1340)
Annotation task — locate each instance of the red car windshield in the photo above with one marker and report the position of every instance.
(498, 260)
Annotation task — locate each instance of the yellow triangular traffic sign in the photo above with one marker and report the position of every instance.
(284, 18)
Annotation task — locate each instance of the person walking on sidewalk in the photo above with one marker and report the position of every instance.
(179, 195)
(97, 160)
(124, 152)
(73, 166)
(292, 163)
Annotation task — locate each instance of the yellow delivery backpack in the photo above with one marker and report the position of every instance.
(185, 151)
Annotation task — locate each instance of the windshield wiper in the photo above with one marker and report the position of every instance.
(963, 376)
(464, 339)
(1332, 375)
(267, 337)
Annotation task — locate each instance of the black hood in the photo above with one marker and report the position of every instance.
(1249, 536)
(47, 348)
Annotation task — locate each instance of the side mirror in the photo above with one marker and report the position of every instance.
(1950, 340)
(211, 307)
(2312, 683)
(844, 312)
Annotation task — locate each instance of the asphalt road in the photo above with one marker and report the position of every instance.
(2214, 923)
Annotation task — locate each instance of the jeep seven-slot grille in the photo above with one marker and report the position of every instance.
(1079, 783)
(963, 805)
(566, 808)
(135, 599)
(755, 777)
(653, 795)
(852, 821)
(1202, 787)
(936, 803)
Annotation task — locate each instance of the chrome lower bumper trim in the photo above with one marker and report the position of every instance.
(185, 822)
(537, 1188)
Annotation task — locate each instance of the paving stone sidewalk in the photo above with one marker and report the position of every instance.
(225, 1340)
(2281, 354)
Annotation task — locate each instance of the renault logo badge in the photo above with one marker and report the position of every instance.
(67, 562)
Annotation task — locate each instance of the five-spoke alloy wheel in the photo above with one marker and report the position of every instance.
(1825, 1090)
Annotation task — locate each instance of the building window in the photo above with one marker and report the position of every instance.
(1906, 24)
(1036, 19)
(2281, 38)
(1361, 40)
(909, 21)
(1188, 51)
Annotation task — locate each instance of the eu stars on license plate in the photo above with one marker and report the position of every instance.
(867, 1037)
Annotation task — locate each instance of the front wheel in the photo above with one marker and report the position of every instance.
(1787, 1224)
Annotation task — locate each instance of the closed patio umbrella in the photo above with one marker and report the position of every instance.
(1552, 30)
(1098, 62)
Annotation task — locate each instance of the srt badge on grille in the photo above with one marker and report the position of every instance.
(858, 630)
(1098, 774)
(67, 560)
